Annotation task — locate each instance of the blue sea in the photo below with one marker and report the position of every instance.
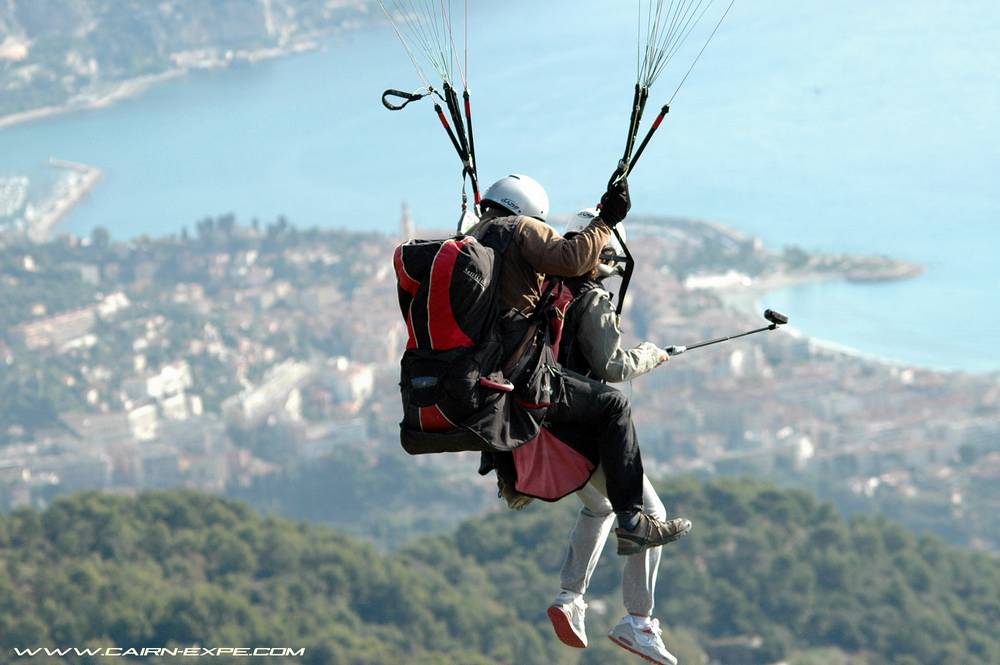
(845, 126)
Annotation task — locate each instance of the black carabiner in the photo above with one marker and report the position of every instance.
(408, 96)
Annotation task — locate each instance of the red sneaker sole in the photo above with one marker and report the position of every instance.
(564, 629)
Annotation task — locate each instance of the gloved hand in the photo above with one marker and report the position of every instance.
(515, 500)
(615, 203)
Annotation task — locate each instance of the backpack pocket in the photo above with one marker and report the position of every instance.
(440, 389)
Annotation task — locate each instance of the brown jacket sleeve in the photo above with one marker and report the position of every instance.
(551, 254)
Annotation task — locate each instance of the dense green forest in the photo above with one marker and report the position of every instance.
(347, 489)
(183, 568)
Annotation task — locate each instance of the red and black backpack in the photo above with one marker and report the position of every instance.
(450, 370)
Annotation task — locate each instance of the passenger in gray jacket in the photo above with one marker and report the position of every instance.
(592, 346)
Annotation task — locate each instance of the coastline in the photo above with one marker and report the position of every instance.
(750, 300)
(742, 290)
(747, 298)
(127, 88)
(81, 182)
(43, 220)
(92, 101)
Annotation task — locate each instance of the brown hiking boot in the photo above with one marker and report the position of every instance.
(650, 532)
(515, 500)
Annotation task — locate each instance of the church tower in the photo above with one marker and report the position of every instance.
(406, 224)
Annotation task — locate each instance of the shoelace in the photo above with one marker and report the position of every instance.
(654, 631)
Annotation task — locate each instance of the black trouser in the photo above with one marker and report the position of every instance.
(596, 420)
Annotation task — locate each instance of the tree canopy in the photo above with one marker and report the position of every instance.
(181, 568)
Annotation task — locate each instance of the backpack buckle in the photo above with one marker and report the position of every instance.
(502, 386)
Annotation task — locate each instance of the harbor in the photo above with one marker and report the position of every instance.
(36, 220)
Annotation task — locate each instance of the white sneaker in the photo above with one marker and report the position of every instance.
(567, 615)
(644, 641)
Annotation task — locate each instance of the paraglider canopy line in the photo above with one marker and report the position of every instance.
(427, 23)
(409, 52)
(698, 57)
(667, 29)
(426, 27)
(465, 78)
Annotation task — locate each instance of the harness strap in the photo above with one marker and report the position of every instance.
(525, 351)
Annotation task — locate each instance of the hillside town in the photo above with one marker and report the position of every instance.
(39, 77)
(210, 359)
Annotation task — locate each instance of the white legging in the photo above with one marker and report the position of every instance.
(586, 541)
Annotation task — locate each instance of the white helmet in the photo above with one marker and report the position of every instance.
(613, 254)
(521, 195)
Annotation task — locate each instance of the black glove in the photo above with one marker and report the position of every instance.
(615, 203)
